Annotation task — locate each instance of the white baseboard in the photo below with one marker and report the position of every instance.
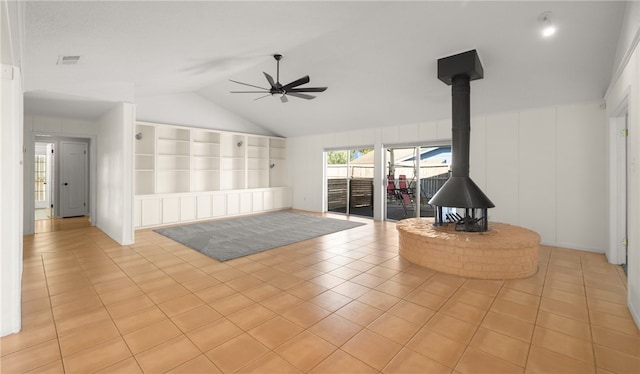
(634, 313)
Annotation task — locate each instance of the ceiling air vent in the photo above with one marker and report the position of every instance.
(68, 60)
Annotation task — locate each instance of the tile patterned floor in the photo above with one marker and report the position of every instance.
(341, 303)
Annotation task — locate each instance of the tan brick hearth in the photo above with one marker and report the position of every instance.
(503, 252)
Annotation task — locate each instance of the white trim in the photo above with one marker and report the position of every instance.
(11, 195)
(617, 120)
(623, 62)
(16, 12)
(634, 313)
(129, 121)
(572, 246)
(380, 188)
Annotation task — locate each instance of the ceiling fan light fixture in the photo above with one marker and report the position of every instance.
(548, 28)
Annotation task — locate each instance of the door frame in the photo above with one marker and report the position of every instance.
(325, 179)
(418, 166)
(51, 170)
(44, 136)
(618, 183)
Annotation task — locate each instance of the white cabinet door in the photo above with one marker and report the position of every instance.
(219, 205)
(170, 210)
(267, 200)
(187, 208)
(246, 202)
(151, 212)
(233, 203)
(258, 205)
(204, 206)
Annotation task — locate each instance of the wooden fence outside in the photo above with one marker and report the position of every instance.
(362, 191)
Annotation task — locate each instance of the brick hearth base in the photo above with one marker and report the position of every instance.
(503, 252)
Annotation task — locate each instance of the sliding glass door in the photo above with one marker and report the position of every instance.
(413, 176)
(350, 181)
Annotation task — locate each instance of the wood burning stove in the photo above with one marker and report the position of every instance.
(460, 191)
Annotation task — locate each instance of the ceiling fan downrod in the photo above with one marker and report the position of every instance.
(278, 57)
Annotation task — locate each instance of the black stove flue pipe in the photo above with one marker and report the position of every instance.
(460, 191)
(460, 126)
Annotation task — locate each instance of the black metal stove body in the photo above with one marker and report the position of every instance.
(460, 191)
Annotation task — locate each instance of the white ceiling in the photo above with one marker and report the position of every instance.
(377, 58)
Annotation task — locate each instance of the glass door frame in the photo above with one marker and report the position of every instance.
(417, 153)
(348, 178)
(416, 177)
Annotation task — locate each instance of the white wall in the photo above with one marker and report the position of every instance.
(192, 110)
(626, 88)
(11, 162)
(544, 168)
(116, 132)
(57, 128)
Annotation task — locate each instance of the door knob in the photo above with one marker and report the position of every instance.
(65, 184)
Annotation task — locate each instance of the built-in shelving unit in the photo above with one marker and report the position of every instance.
(145, 159)
(258, 162)
(277, 162)
(205, 147)
(233, 174)
(174, 160)
(185, 174)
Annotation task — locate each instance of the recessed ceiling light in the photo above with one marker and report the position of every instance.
(68, 60)
(548, 28)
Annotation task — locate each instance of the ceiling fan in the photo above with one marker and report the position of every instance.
(290, 89)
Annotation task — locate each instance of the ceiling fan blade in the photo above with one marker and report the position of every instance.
(284, 99)
(266, 91)
(270, 79)
(262, 97)
(296, 83)
(250, 85)
(301, 95)
(308, 89)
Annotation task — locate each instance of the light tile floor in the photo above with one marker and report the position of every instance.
(341, 303)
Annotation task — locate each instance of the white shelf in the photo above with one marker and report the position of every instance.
(204, 136)
(174, 159)
(173, 140)
(145, 159)
(173, 133)
(167, 162)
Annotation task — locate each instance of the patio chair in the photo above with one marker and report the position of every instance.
(392, 192)
(405, 201)
(402, 183)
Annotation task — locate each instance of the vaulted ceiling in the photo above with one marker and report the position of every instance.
(377, 58)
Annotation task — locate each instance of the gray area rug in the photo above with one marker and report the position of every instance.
(236, 237)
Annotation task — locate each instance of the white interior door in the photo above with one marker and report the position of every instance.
(74, 181)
